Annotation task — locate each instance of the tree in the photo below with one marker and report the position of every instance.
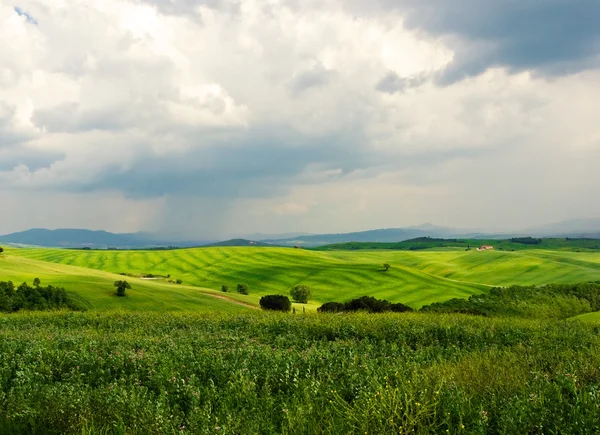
(300, 293)
(386, 267)
(1, 249)
(242, 289)
(224, 288)
(36, 282)
(275, 303)
(121, 287)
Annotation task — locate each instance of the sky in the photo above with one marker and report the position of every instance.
(208, 118)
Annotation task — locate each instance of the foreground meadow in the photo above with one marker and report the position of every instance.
(258, 373)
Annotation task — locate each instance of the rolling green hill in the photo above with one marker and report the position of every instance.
(95, 288)
(415, 278)
(422, 243)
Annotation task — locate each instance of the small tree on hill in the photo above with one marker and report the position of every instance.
(1, 249)
(224, 288)
(121, 287)
(386, 267)
(275, 303)
(300, 293)
(242, 289)
(36, 282)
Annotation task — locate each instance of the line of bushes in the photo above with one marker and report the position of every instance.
(36, 297)
(364, 303)
(547, 301)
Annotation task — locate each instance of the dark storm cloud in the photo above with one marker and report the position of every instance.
(550, 37)
(34, 160)
(259, 165)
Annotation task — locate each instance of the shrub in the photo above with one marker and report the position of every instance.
(224, 288)
(400, 308)
(526, 240)
(121, 287)
(386, 267)
(368, 303)
(331, 307)
(1, 249)
(364, 303)
(275, 303)
(179, 281)
(300, 293)
(242, 289)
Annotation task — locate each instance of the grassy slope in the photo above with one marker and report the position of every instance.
(416, 278)
(96, 288)
(588, 317)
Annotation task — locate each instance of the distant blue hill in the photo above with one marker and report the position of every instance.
(378, 236)
(239, 242)
(77, 238)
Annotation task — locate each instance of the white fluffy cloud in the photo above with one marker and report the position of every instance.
(262, 115)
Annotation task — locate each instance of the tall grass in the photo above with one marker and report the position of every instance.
(315, 374)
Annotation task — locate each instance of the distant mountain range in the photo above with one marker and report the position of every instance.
(239, 242)
(381, 235)
(78, 238)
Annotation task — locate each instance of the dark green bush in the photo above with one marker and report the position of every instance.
(242, 289)
(121, 287)
(224, 288)
(37, 297)
(400, 308)
(364, 303)
(276, 303)
(368, 303)
(331, 307)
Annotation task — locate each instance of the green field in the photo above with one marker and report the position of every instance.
(95, 288)
(415, 278)
(259, 373)
(188, 358)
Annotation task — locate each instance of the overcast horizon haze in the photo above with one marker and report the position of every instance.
(207, 118)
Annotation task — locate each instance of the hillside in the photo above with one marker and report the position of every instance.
(416, 278)
(95, 288)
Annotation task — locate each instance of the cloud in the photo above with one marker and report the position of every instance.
(261, 115)
(550, 37)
